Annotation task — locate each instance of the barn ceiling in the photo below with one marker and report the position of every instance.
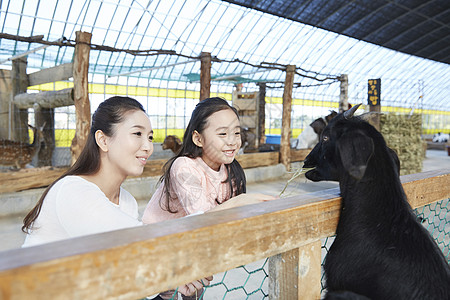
(416, 27)
(157, 43)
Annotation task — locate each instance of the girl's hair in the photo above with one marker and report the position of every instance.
(199, 118)
(109, 113)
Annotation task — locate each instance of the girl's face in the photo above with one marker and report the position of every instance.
(131, 144)
(220, 140)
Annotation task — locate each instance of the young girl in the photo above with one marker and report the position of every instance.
(204, 173)
(203, 176)
(88, 198)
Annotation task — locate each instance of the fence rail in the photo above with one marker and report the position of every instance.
(133, 263)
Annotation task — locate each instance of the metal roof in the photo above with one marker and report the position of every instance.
(157, 43)
(416, 27)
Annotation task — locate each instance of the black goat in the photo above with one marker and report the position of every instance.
(381, 251)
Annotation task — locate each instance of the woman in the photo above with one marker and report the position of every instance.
(88, 198)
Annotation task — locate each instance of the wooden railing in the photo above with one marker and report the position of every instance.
(133, 263)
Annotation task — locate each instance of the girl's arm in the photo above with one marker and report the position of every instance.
(243, 199)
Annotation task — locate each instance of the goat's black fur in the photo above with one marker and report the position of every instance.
(381, 251)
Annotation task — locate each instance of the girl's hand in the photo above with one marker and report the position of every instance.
(191, 288)
(243, 199)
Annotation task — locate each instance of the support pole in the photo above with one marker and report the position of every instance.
(45, 116)
(343, 96)
(285, 147)
(5, 101)
(205, 75)
(81, 93)
(18, 117)
(262, 113)
(295, 274)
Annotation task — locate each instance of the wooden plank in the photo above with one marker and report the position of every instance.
(296, 274)
(285, 144)
(24, 179)
(205, 75)
(50, 99)
(133, 263)
(245, 103)
(261, 159)
(61, 72)
(299, 155)
(15, 181)
(426, 187)
(248, 121)
(81, 93)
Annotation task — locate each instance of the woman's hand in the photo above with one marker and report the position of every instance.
(243, 199)
(191, 288)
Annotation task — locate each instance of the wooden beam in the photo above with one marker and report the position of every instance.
(49, 99)
(45, 119)
(19, 117)
(285, 144)
(262, 113)
(133, 263)
(81, 93)
(261, 159)
(299, 155)
(61, 72)
(5, 103)
(296, 274)
(15, 181)
(205, 75)
(343, 96)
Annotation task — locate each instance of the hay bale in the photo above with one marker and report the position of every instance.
(403, 134)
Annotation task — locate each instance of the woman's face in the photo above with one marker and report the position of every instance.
(220, 140)
(131, 144)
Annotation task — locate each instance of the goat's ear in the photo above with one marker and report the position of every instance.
(355, 150)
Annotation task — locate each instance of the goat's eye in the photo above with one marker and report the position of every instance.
(325, 138)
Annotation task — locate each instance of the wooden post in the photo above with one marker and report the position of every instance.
(45, 116)
(296, 274)
(343, 96)
(81, 93)
(205, 75)
(285, 144)
(374, 101)
(262, 113)
(19, 117)
(5, 101)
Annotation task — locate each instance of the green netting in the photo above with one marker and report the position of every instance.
(251, 281)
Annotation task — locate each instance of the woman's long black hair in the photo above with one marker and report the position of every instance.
(109, 113)
(203, 110)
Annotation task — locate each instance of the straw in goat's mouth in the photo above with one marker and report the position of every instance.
(295, 175)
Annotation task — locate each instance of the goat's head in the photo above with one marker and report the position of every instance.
(345, 148)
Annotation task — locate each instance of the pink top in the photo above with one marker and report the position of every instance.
(195, 188)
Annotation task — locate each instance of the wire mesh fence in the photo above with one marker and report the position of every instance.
(251, 281)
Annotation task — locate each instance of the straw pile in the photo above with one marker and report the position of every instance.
(403, 134)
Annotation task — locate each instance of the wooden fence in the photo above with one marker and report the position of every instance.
(133, 263)
(14, 181)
